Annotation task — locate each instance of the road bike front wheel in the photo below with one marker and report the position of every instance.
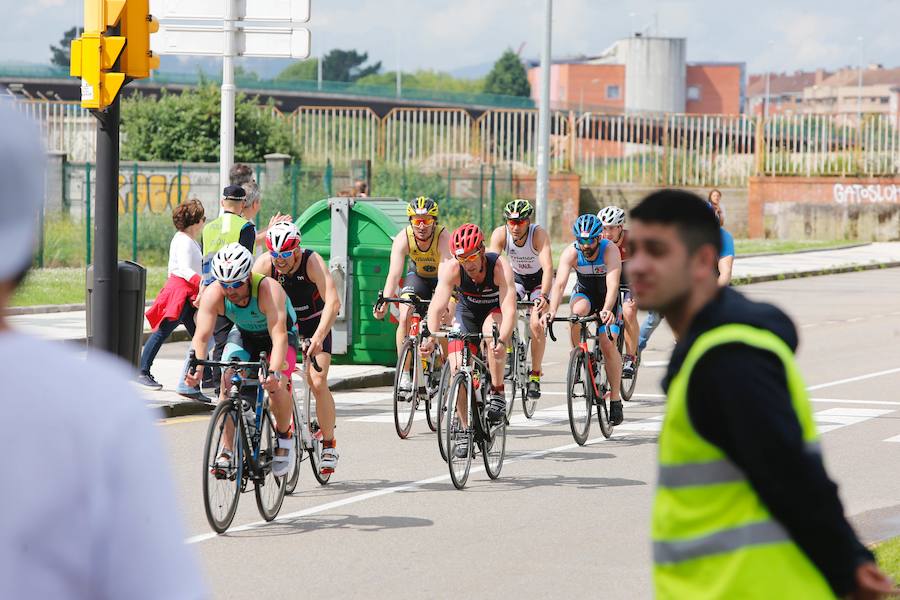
(579, 395)
(493, 444)
(405, 400)
(629, 385)
(294, 474)
(602, 381)
(222, 484)
(270, 491)
(529, 405)
(441, 402)
(433, 377)
(458, 438)
(315, 434)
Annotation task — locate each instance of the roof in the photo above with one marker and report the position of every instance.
(871, 76)
(782, 83)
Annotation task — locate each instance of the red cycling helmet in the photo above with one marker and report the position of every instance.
(466, 239)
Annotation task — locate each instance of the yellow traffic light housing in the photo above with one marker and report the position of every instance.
(92, 58)
(137, 24)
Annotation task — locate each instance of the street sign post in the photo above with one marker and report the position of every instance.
(209, 40)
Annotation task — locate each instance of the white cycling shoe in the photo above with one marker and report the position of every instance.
(282, 464)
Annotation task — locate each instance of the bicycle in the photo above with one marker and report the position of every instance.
(470, 383)
(628, 383)
(520, 363)
(307, 435)
(421, 370)
(253, 444)
(586, 381)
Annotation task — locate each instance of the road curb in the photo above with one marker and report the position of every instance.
(832, 249)
(365, 380)
(43, 309)
(184, 409)
(814, 273)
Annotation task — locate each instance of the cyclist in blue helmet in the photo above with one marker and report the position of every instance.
(598, 265)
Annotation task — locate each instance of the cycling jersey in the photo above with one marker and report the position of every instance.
(424, 262)
(303, 293)
(249, 318)
(590, 278)
(477, 300)
(526, 265)
(623, 251)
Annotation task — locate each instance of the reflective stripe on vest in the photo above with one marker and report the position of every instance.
(713, 537)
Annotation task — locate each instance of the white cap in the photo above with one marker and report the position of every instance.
(22, 161)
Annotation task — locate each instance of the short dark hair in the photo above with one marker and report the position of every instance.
(691, 215)
(187, 213)
(240, 174)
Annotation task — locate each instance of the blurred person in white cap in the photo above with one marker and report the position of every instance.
(89, 510)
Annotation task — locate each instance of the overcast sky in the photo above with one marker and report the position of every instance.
(445, 35)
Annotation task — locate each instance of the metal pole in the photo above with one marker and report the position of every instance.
(226, 129)
(543, 157)
(294, 198)
(134, 212)
(87, 213)
(859, 78)
(106, 284)
(399, 82)
(319, 73)
(179, 183)
(766, 105)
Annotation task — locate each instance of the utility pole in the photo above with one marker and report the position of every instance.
(859, 79)
(226, 131)
(543, 157)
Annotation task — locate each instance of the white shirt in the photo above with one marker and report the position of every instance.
(185, 257)
(87, 507)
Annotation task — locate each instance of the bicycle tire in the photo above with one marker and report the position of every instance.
(602, 405)
(405, 410)
(529, 405)
(459, 467)
(231, 486)
(629, 387)
(269, 495)
(578, 375)
(294, 475)
(511, 383)
(493, 444)
(315, 453)
(443, 394)
(432, 386)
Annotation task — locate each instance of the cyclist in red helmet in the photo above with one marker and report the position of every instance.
(487, 295)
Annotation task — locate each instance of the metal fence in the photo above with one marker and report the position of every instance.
(648, 149)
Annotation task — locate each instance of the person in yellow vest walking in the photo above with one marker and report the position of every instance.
(743, 505)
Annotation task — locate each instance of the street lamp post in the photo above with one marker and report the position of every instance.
(859, 79)
(543, 157)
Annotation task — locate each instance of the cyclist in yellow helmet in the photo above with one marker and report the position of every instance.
(427, 244)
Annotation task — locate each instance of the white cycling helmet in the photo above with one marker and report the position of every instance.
(232, 263)
(282, 237)
(611, 216)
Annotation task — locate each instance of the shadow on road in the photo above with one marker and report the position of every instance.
(309, 524)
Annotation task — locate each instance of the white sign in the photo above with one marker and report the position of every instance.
(87, 91)
(294, 11)
(199, 40)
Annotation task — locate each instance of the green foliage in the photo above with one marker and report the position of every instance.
(185, 127)
(242, 74)
(60, 54)
(303, 70)
(338, 65)
(508, 77)
(66, 286)
(426, 80)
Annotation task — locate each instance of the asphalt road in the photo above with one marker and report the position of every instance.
(562, 520)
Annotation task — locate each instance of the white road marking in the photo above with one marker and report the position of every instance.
(896, 438)
(387, 417)
(852, 379)
(835, 418)
(407, 487)
(839, 401)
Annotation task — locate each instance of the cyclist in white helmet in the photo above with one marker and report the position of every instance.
(311, 290)
(263, 322)
(613, 220)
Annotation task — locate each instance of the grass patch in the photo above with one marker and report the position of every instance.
(888, 556)
(66, 286)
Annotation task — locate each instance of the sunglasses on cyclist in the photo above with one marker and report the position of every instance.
(233, 285)
(513, 222)
(586, 241)
(469, 258)
(287, 254)
(422, 220)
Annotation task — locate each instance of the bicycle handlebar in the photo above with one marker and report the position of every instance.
(262, 364)
(574, 319)
(312, 359)
(420, 305)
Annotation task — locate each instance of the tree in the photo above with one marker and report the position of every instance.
(347, 65)
(508, 77)
(242, 74)
(60, 54)
(303, 70)
(185, 127)
(426, 80)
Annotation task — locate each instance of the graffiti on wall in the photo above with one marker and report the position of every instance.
(157, 193)
(856, 193)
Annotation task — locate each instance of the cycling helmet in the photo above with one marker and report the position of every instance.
(466, 239)
(283, 237)
(611, 216)
(232, 263)
(587, 226)
(422, 206)
(518, 209)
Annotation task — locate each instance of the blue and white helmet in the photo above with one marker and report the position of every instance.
(587, 226)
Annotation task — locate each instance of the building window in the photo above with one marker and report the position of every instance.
(612, 92)
(693, 92)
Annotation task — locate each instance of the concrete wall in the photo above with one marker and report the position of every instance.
(866, 209)
(593, 198)
(654, 74)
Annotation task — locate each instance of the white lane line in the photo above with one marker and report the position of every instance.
(855, 320)
(896, 438)
(355, 398)
(835, 418)
(387, 417)
(838, 401)
(852, 379)
(406, 487)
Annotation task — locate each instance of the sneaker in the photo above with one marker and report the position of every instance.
(507, 370)
(282, 463)
(461, 449)
(147, 380)
(628, 367)
(197, 397)
(221, 469)
(616, 416)
(496, 406)
(405, 382)
(534, 387)
(329, 459)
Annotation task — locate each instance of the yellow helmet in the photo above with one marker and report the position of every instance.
(421, 206)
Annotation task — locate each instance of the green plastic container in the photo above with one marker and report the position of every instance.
(373, 224)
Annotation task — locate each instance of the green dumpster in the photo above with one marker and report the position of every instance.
(354, 236)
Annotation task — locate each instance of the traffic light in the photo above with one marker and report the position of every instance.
(94, 55)
(137, 24)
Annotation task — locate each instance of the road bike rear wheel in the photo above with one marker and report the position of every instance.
(222, 487)
(455, 434)
(512, 383)
(528, 404)
(270, 491)
(629, 385)
(315, 452)
(579, 395)
(432, 387)
(294, 474)
(405, 401)
(441, 401)
(602, 403)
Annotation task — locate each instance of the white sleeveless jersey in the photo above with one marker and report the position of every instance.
(523, 259)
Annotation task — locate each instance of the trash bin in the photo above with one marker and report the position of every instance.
(354, 236)
(130, 314)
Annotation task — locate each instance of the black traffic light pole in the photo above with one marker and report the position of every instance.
(104, 305)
